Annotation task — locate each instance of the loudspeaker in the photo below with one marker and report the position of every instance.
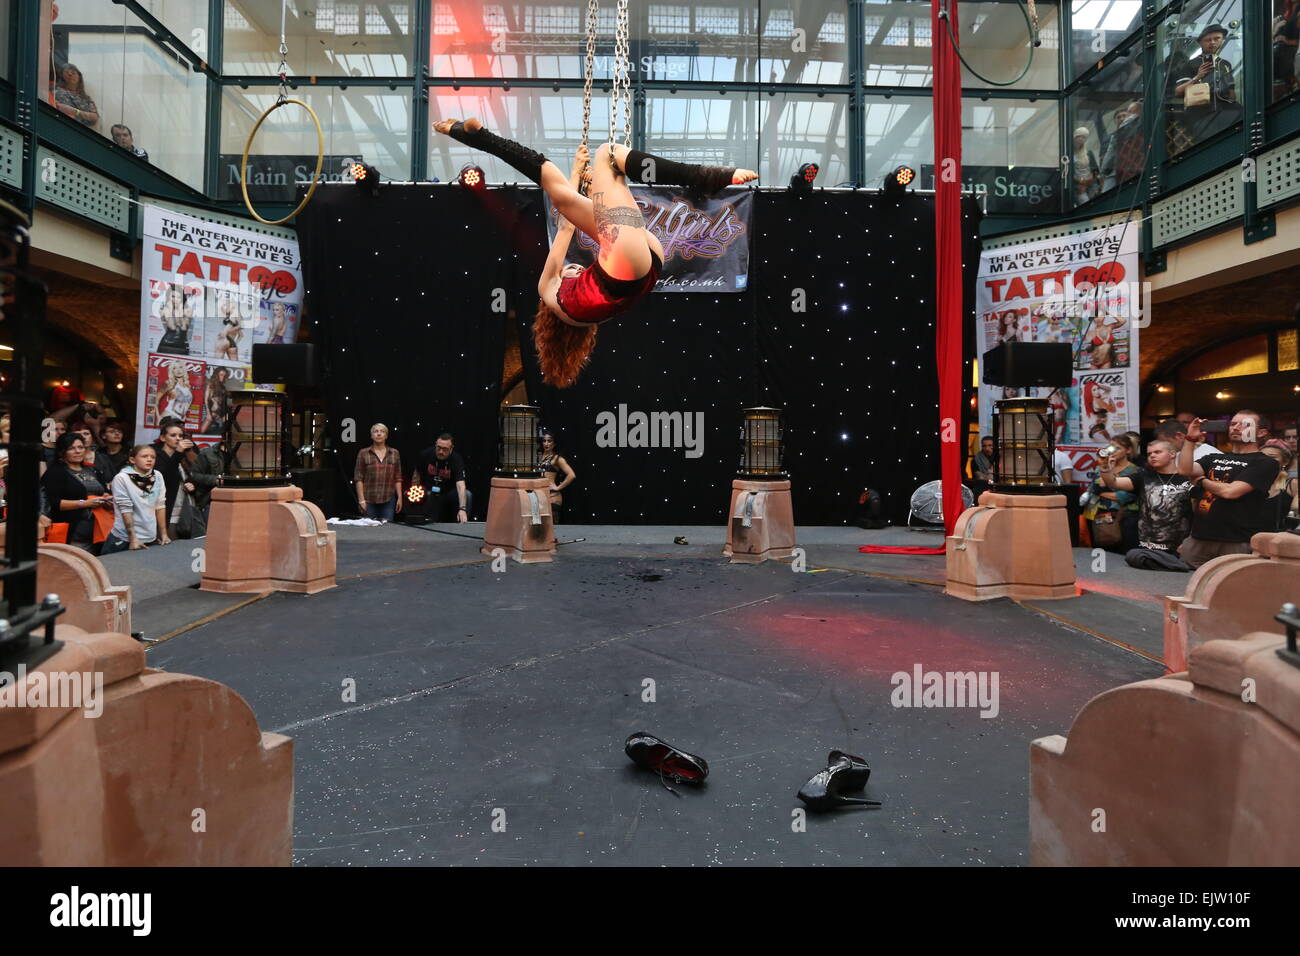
(1027, 364)
(284, 364)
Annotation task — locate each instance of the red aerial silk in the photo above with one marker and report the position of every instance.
(948, 265)
(948, 270)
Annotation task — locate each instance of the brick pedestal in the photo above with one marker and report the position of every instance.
(519, 520)
(1015, 546)
(267, 539)
(761, 522)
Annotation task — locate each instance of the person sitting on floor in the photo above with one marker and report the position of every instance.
(1165, 513)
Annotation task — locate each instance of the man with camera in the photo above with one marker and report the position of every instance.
(1233, 489)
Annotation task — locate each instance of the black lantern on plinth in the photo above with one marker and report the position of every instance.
(518, 450)
(256, 440)
(1022, 436)
(761, 448)
(22, 311)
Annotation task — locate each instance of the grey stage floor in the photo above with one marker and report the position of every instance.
(491, 708)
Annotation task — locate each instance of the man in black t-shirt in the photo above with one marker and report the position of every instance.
(1165, 516)
(1233, 487)
(441, 471)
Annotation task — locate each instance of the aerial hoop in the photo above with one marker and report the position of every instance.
(315, 179)
(282, 100)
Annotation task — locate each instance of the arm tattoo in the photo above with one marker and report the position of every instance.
(608, 219)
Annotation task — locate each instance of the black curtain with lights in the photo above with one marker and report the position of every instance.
(836, 328)
(407, 296)
(408, 293)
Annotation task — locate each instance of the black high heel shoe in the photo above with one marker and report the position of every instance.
(648, 751)
(826, 790)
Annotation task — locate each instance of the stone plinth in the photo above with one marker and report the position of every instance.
(1233, 594)
(267, 539)
(760, 524)
(519, 520)
(91, 601)
(172, 772)
(1177, 771)
(1015, 546)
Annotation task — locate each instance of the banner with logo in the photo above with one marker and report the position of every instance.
(706, 241)
(1083, 289)
(208, 293)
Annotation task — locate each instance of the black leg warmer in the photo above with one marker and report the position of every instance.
(657, 171)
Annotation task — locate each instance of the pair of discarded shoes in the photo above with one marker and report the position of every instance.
(825, 791)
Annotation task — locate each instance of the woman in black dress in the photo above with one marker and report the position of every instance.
(552, 464)
(176, 316)
(71, 489)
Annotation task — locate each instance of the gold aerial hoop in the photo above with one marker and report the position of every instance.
(282, 100)
(315, 179)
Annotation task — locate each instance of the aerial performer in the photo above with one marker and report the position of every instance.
(575, 300)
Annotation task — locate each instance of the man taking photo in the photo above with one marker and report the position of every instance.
(1233, 490)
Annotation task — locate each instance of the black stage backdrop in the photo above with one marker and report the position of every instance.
(837, 328)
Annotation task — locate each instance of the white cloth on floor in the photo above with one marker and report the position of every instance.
(364, 522)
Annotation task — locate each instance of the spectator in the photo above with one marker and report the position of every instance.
(52, 429)
(1113, 512)
(205, 469)
(552, 463)
(1205, 88)
(1165, 512)
(1234, 485)
(1063, 467)
(378, 477)
(171, 447)
(1175, 430)
(114, 454)
(1289, 436)
(982, 464)
(74, 491)
(1108, 156)
(1087, 172)
(442, 473)
(123, 137)
(71, 99)
(1282, 494)
(139, 496)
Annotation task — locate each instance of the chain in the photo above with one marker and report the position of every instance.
(284, 58)
(622, 55)
(593, 11)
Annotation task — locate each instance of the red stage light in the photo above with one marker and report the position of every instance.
(472, 176)
(904, 175)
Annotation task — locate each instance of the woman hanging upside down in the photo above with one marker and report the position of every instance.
(575, 300)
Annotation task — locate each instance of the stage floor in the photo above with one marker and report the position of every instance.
(505, 698)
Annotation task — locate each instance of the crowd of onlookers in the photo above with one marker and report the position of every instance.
(102, 495)
(1179, 499)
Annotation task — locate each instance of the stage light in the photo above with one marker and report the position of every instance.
(896, 183)
(802, 181)
(415, 494)
(472, 176)
(1223, 396)
(366, 176)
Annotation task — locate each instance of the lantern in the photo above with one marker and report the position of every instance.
(760, 444)
(255, 439)
(518, 450)
(1022, 437)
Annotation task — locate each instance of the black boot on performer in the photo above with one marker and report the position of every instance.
(472, 133)
(657, 171)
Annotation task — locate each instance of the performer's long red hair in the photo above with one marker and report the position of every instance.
(562, 349)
